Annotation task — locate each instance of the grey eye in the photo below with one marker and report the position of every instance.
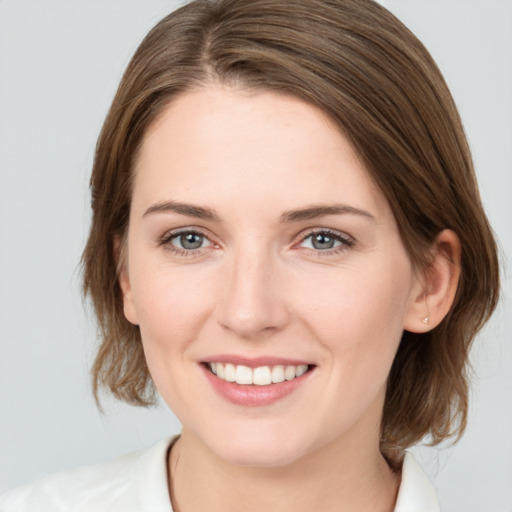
(323, 241)
(189, 241)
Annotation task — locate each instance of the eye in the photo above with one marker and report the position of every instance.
(322, 241)
(186, 241)
(189, 241)
(326, 240)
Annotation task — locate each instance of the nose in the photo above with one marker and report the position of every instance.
(252, 304)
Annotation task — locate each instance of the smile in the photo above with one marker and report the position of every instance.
(259, 376)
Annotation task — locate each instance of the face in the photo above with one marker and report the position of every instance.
(267, 275)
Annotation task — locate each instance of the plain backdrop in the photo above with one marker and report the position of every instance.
(60, 63)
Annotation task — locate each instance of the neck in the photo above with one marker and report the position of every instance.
(340, 476)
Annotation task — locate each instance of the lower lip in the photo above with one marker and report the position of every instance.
(254, 395)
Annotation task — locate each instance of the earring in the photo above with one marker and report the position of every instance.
(426, 319)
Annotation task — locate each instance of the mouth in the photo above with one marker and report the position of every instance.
(259, 381)
(258, 376)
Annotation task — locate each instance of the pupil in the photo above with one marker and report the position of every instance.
(322, 241)
(191, 241)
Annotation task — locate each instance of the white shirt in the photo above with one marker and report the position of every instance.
(137, 482)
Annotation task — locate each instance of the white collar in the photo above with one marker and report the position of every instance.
(416, 493)
(138, 482)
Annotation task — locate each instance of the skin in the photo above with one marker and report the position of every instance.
(257, 286)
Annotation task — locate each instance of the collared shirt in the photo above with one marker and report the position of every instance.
(137, 482)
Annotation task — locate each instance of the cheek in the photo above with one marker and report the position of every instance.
(358, 319)
(358, 314)
(171, 311)
(174, 304)
(171, 308)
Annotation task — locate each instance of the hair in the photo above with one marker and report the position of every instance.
(360, 65)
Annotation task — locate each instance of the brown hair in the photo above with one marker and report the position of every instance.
(371, 75)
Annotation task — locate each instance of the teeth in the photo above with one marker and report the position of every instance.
(243, 374)
(229, 372)
(301, 370)
(278, 373)
(289, 372)
(260, 376)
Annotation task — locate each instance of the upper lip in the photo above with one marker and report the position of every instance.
(255, 362)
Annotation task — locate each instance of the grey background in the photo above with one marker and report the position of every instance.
(60, 62)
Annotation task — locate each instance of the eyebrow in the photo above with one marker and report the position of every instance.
(315, 211)
(296, 215)
(183, 209)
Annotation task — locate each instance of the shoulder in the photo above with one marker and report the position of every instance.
(131, 483)
(416, 493)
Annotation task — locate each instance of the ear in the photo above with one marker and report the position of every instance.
(123, 277)
(435, 292)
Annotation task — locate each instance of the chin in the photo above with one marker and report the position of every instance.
(268, 457)
(258, 449)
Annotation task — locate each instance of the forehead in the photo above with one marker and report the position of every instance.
(228, 143)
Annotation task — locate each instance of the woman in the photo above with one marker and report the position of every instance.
(287, 241)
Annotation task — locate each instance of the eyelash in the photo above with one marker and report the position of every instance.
(345, 242)
(167, 239)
